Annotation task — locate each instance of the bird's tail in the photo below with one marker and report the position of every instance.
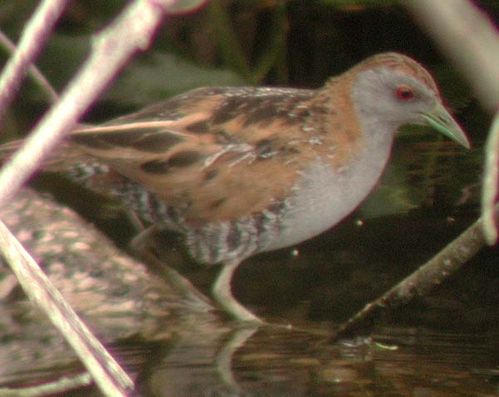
(69, 160)
(63, 158)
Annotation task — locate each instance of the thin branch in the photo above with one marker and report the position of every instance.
(110, 52)
(471, 40)
(132, 30)
(491, 183)
(432, 273)
(35, 35)
(106, 372)
(468, 37)
(59, 386)
(33, 71)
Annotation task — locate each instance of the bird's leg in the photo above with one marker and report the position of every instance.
(135, 221)
(222, 294)
(237, 339)
(142, 246)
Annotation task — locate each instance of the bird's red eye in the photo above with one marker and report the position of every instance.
(404, 93)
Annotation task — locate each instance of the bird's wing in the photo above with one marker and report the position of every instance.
(218, 153)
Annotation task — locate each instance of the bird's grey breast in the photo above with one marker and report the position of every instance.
(324, 195)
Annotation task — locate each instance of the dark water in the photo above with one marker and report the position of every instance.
(441, 344)
(408, 362)
(444, 344)
(279, 362)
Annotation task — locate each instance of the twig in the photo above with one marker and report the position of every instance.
(106, 372)
(60, 386)
(33, 71)
(110, 52)
(468, 37)
(491, 183)
(34, 36)
(471, 40)
(132, 30)
(432, 273)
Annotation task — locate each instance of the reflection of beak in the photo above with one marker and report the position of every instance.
(440, 119)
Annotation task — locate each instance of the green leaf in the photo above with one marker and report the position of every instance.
(181, 7)
(393, 195)
(63, 56)
(159, 76)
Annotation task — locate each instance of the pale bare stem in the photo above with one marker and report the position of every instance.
(105, 371)
(35, 34)
(471, 40)
(491, 184)
(33, 71)
(112, 47)
(468, 37)
(131, 31)
(59, 386)
(432, 273)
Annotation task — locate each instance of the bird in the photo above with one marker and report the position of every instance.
(243, 170)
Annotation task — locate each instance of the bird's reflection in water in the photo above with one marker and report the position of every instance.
(198, 364)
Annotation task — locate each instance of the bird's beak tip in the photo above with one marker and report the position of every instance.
(441, 120)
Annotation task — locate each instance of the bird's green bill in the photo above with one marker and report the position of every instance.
(442, 121)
